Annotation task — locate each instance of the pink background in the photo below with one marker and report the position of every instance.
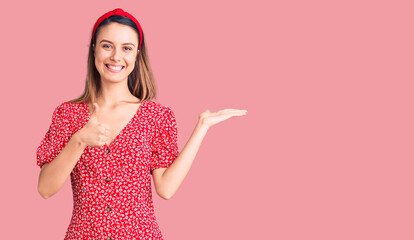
(324, 152)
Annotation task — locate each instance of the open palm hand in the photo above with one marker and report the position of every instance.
(210, 119)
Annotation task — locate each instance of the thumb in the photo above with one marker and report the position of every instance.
(96, 110)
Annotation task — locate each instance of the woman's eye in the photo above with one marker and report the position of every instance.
(127, 48)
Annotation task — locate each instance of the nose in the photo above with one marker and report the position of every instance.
(116, 55)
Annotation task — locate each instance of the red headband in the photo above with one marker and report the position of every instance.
(119, 12)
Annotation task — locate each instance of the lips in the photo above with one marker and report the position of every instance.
(114, 68)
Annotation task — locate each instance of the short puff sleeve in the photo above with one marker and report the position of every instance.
(55, 138)
(164, 145)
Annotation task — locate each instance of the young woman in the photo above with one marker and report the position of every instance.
(113, 137)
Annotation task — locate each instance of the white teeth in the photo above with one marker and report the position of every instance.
(114, 68)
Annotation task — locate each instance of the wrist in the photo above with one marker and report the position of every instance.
(78, 137)
(201, 125)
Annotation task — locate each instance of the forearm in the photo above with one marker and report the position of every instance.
(54, 174)
(175, 174)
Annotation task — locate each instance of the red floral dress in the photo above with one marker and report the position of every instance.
(111, 185)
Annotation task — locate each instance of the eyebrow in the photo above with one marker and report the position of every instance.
(112, 42)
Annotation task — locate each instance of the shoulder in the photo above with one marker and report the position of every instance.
(157, 109)
(159, 112)
(67, 109)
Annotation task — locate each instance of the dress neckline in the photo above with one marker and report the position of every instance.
(137, 114)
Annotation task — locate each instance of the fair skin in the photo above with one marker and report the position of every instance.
(115, 106)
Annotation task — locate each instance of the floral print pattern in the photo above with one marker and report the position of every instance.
(111, 184)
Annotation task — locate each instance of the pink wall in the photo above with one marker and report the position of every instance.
(325, 151)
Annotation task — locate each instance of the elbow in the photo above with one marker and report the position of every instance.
(43, 188)
(45, 194)
(166, 196)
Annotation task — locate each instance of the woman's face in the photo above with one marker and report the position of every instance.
(115, 52)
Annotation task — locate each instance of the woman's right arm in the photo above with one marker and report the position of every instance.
(54, 174)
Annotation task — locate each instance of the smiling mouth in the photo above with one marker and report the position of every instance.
(115, 69)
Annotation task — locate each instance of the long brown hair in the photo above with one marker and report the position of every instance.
(141, 82)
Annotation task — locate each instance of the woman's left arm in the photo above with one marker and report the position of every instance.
(168, 180)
